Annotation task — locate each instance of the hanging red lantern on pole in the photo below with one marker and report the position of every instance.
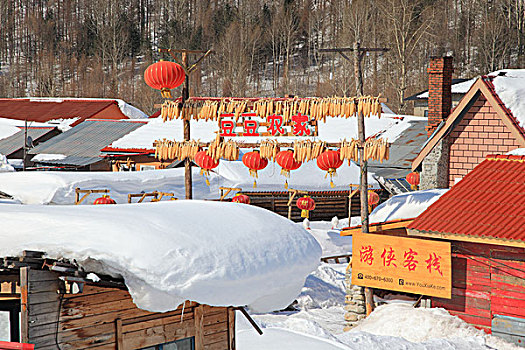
(329, 161)
(288, 163)
(413, 180)
(105, 199)
(206, 163)
(164, 76)
(254, 162)
(373, 200)
(305, 204)
(241, 198)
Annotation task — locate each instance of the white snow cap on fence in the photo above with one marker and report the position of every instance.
(223, 254)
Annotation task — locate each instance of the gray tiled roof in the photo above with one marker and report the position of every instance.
(82, 144)
(15, 142)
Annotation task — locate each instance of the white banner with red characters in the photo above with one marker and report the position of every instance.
(249, 124)
(408, 265)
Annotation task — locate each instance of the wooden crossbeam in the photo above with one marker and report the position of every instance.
(228, 190)
(86, 193)
(291, 195)
(157, 196)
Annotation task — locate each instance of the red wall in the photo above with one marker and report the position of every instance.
(480, 132)
(486, 280)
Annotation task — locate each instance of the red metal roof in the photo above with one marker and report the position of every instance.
(488, 202)
(43, 110)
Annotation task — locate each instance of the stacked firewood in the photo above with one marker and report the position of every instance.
(316, 108)
(306, 150)
(374, 149)
(170, 149)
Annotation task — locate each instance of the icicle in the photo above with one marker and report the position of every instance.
(182, 315)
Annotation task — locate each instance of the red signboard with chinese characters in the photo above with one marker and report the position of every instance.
(248, 124)
(403, 264)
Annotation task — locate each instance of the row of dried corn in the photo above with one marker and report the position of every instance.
(169, 149)
(316, 108)
(228, 150)
(306, 150)
(374, 149)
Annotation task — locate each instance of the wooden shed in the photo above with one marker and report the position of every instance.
(482, 217)
(58, 307)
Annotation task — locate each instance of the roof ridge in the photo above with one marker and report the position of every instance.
(507, 157)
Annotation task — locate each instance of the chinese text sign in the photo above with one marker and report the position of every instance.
(403, 264)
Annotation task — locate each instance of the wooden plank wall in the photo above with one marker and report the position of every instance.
(326, 207)
(106, 318)
(483, 285)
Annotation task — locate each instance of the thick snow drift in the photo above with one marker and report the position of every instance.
(405, 206)
(209, 252)
(4, 165)
(58, 187)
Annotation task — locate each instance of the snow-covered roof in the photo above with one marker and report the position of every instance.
(509, 84)
(389, 126)
(128, 110)
(458, 88)
(210, 252)
(58, 187)
(405, 206)
(10, 127)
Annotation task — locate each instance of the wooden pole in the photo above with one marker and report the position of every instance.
(363, 184)
(187, 163)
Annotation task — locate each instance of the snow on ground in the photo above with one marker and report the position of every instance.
(405, 206)
(4, 165)
(393, 326)
(191, 250)
(330, 239)
(389, 126)
(58, 187)
(4, 325)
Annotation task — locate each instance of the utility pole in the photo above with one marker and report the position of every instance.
(359, 53)
(188, 69)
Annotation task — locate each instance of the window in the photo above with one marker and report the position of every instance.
(183, 344)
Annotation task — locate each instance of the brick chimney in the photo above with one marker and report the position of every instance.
(439, 91)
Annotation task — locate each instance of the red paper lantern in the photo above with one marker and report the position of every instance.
(254, 162)
(164, 76)
(206, 163)
(287, 162)
(413, 180)
(305, 204)
(329, 161)
(241, 198)
(373, 198)
(105, 199)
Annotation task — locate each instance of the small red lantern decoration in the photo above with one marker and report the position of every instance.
(373, 200)
(305, 204)
(164, 76)
(413, 180)
(287, 162)
(105, 199)
(329, 161)
(241, 198)
(254, 162)
(206, 163)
